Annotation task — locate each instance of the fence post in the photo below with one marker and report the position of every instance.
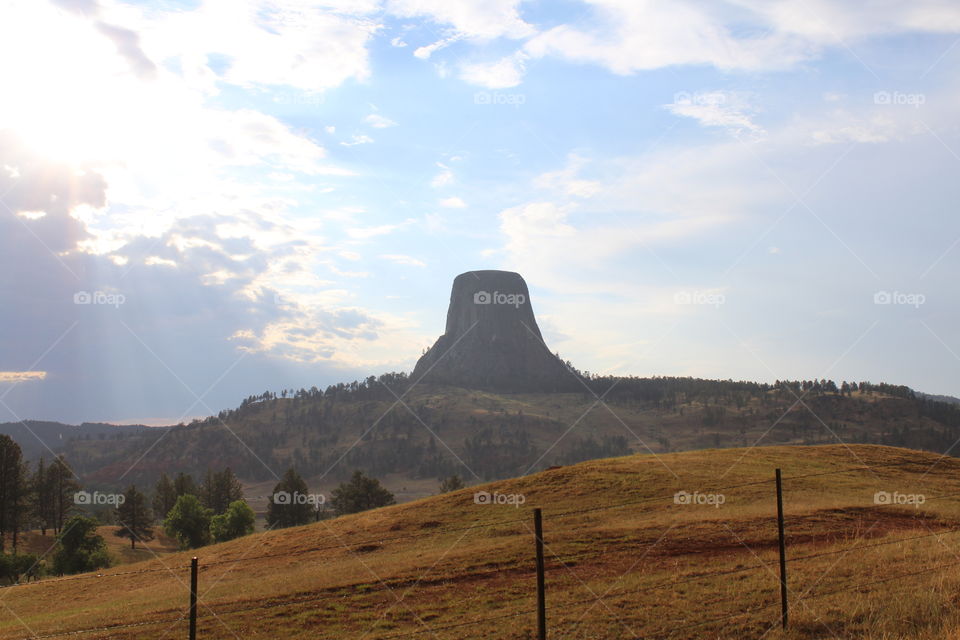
(193, 599)
(783, 553)
(541, 587)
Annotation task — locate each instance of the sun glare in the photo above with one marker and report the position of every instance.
(69, 96)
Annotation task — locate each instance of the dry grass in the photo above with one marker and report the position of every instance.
(643, 570)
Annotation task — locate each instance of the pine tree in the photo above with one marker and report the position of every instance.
(14, 490)
(164, 497)
(288, 506)
(219, 490)
(453, 483)
(63, 484)
(360, 494)
(134, 517)
(184, 485)
(44, 497)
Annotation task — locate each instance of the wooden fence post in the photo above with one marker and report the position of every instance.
(541, 583)
(193, 599)
(783, 553)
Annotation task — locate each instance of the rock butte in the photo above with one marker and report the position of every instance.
(492, 340)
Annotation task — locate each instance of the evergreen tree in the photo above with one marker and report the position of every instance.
(63, 484)
(79, 547)
(184, 485)
(14, 491)
(45, 497)
(164, 497)
(219, 490)
(15, 565)
(453, 483)
(134, 517)
(288, 506)
(360, 494)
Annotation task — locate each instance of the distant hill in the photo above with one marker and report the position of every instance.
(437, 430)
(939, 398)
(38, 438)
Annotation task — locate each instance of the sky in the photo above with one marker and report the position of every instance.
(204, 200)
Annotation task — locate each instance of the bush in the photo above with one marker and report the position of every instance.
(360, 494)
(238, 521)
(188, 522)
(80, 547)
(13, 566)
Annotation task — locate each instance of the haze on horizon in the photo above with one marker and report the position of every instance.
(203, 200)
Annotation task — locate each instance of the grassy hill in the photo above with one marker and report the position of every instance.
(118, 548)
(624, 559)
(411, 440)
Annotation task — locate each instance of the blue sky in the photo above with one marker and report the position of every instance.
(262, 195)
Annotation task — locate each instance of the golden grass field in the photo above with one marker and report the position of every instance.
(650, 569)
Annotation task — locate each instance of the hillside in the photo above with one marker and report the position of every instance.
(624, 559)
(434, 431)
(38, 438)
(118, 548)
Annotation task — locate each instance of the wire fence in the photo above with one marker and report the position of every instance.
(545, 607)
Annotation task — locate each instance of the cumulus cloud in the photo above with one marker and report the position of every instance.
(300, 45)
(501, 74)
(628, 36)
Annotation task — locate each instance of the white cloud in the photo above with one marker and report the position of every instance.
(363, 233)
(443, 178)
(504, 73)
(358, 139)
(409, 261)
(567, 181)
(378, 121)
(453, 202)
(426, 51)
(282, 42)
(482, 20)
(627, 36)
(726, 109)
(7, 377)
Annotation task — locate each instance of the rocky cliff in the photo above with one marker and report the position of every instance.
(492, 340)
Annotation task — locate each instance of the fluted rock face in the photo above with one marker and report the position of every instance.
(492, 340)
